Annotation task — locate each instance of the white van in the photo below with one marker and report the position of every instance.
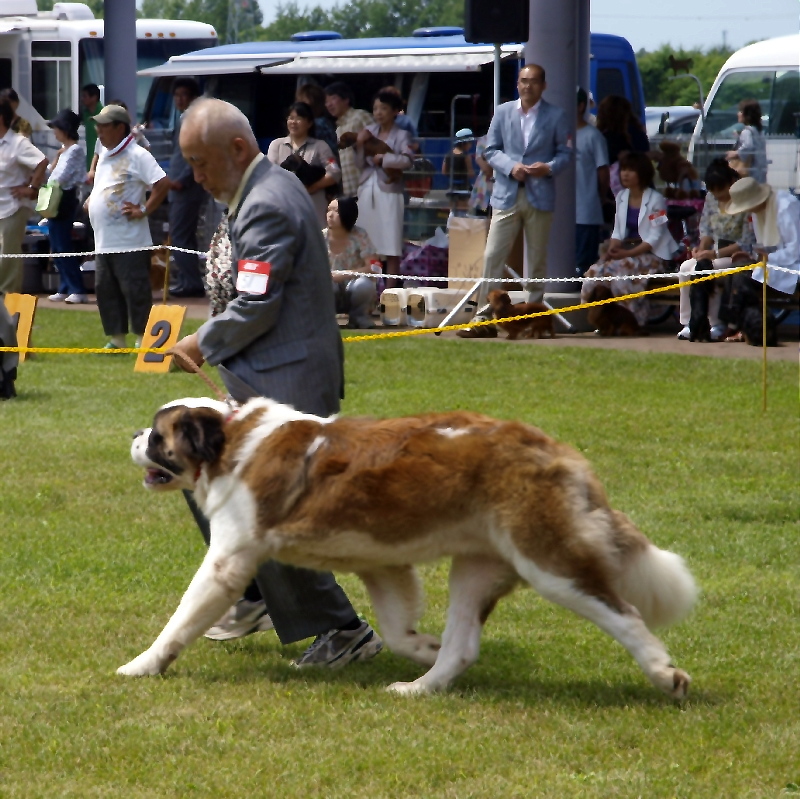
(769, 72)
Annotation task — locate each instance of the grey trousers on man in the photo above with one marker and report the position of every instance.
(503, 231)
(184, 214)
(123, 291)
(301, 603)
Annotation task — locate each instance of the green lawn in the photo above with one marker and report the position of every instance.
(91, 566)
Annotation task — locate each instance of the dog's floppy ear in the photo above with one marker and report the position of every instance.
(202, 430)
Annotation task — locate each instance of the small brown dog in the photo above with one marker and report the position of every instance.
(612, 319)
(536, 327)
(372, 147)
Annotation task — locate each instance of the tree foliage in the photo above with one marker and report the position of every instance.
(656, 72)
(364, 18)
(246, 14)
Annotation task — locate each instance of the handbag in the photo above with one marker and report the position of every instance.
(307, 173)
(49, 199)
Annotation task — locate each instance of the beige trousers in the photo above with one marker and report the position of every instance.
(503, 232)
(12, 231)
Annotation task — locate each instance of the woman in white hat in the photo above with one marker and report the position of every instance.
(776, 223)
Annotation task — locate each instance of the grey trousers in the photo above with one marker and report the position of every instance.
(184, 213)
(301, 603)
(122, 288)
(503, 231)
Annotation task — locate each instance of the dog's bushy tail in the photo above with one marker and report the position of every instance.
(656, 582)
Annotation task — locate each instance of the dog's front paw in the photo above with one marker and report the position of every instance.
(146, 665)
(408, 688)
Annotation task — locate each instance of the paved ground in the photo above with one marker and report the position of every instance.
(660, 339)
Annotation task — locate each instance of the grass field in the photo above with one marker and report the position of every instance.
(92, 566)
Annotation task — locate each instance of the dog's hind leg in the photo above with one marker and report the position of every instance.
(396, 594)
(475, 586)
(615, 617)
(218, 583)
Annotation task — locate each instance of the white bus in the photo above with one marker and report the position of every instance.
(47, 56)
(769, 72)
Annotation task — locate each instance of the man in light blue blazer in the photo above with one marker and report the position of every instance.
(527, 145)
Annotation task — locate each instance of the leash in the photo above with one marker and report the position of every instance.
(198, 370)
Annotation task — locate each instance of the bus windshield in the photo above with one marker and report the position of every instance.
(149, 52)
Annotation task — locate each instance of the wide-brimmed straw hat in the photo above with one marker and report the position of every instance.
(746, 194)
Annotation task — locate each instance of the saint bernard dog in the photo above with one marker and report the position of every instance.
(505, 502)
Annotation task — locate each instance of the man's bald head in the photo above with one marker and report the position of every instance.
(218, 143)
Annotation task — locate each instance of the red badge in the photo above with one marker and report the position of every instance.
(658, 218)
(253, 277)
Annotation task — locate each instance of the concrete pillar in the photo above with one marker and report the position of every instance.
(120, 52)
(553, 44)
(584, 44)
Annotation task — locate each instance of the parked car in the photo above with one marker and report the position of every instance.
(670, 120)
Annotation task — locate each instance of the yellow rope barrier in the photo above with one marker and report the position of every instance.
(418, 331)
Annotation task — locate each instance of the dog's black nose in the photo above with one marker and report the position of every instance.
(138, 433)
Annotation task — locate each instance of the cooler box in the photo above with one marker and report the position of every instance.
(428, 306)
(393, 307)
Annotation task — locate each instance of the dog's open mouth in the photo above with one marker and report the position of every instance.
(157, 477)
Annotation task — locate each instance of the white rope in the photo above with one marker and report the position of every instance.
(512, 280)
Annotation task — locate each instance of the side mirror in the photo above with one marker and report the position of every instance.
(663, 126)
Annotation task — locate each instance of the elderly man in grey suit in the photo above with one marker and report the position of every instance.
(527, 145)
(278, 338)
(186, 200)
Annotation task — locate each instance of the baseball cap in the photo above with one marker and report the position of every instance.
(112, 113)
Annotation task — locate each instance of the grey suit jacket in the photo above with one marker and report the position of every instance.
(504, 148)
(284, 344)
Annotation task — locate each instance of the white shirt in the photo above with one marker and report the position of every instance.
(123, 174)
(528, 120)
(591, 153)
(788, 252)
(18, 159)
(71, 167)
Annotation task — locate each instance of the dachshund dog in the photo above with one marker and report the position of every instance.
(536, 327)
(612, 319)
(372, 147)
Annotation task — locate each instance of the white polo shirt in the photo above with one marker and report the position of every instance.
(123, 174)
(18, 159)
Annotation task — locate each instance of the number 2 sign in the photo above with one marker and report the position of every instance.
(162, 331)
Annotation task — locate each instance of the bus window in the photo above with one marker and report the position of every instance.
(51, 77)
(784, 107)
(149, 53)
(736, 86)
(5, 73)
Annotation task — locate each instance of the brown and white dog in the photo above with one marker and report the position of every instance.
(508, 504)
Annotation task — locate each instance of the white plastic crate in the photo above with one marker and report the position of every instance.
(428, 306)
(393, 307)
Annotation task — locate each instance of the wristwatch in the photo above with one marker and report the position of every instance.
(143, 209)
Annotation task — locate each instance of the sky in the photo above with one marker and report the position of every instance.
(680, 23)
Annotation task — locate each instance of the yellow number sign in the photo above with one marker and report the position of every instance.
(162, 331)
(22, 308)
